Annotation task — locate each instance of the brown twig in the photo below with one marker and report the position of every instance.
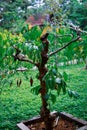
(77, 29)
(58, 50)
(21, 57)
(62, 35)
(27, 60)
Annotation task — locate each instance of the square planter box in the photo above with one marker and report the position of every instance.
(64, 117)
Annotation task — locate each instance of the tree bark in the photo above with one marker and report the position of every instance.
(45, 112)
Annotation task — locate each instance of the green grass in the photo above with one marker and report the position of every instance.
(77, 82)
(18, 103)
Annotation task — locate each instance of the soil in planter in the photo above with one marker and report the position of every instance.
(62, 124)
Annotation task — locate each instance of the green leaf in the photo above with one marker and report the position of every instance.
(53, 97)
(51, 83)
(54, 71)
(75, 94)
(59, 89)
(63, 87)
(47, 85)
(37, 75)
(1, 41)
(65, 76)
(46, 96)
(70, 93)
(36, 89)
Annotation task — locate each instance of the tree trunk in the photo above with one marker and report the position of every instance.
(45, 112)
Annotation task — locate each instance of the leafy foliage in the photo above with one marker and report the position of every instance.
(13, 12)
(76, 11)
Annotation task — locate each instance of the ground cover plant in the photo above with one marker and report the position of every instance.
(18, 103)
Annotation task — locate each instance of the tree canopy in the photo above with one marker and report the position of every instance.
(76, 11)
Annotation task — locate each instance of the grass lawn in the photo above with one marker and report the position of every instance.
(18, 103)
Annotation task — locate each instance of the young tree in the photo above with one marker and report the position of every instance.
(49, 79)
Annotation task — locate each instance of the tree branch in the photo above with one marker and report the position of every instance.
(76, 29)
(21, 57)
(27, 60)
(62, 35)
(58, 50)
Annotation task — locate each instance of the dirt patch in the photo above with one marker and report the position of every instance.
(62, 124)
